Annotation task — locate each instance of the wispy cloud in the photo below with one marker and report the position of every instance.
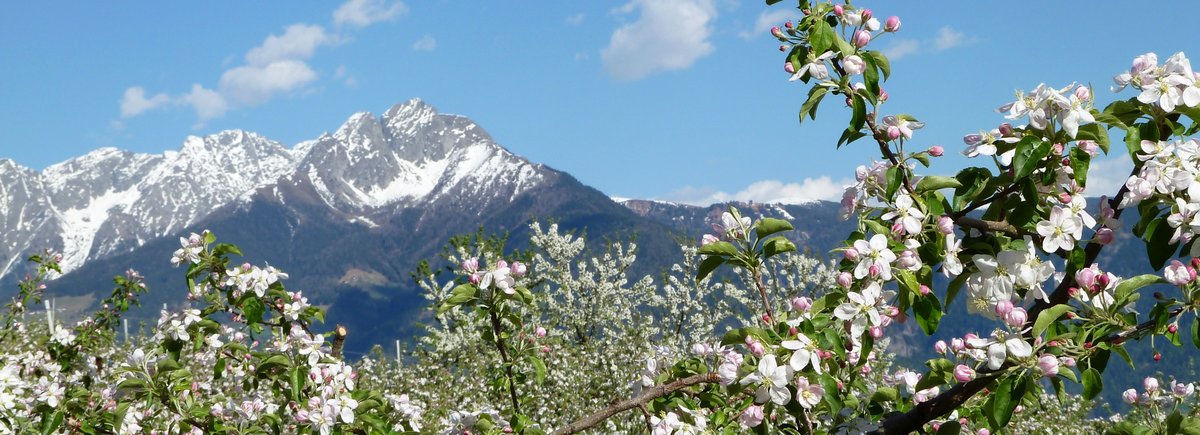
(667, 35)
(947, 38)
(576, 19)
(426, 43)
(362, 13)
(1106, 176)
(277, 66)
(135, 102)
(768, 19)
(766, 191)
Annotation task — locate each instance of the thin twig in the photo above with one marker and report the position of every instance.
(650, 394)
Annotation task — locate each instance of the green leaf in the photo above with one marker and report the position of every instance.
(708, 265)
(871, 77)
(1092, 384)
(738, 336)
(1127, 427)
(51, 422)
(972, 182)
(885, 394)
(1096, 133)
(272, 362)
(893, 181)
(1048, 316)
(771, 2)
(539, 369)
(881, 61)
(814, 99)
(1080, 160)
(777, 245)
(1196, 332)
(1030, 152)
(1003, 401)
(936, 182)
(460, 295)
(928, 311)
(768, 226)
(951, 427)
(718, 248)
(1173, 422)
(1133, 284)
(821, 37)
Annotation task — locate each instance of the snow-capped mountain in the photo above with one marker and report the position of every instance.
(111, 201)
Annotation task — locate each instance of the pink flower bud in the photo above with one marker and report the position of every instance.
(936, 150)
(519, 269)
(787, 66)
(945, 225)
(1064, 198)
(802, 304)
(876, 332)
(909, 260)
(893, 132)
(708, 238)
(898, 228)
(1105, 235)
(793, 331)
(1104, 279)
(845, 280)
(1068, 361)
(1083, 93)
(957, 345)
(752, 416)
(470, 265)
(539, 332)
(883, 95)
(1017, 317)
(783, 48)
(873, 270)
(866, 14)
(788, 24)
(983, 431)
(1048, 364)
(850, 254)
(1150, 384)
(892, 24)
(838, 10)
(500, 264)
(963, 373)
(1003, 308)
(940, 347)
(1130, 396)
(475, 277)
(1006, 129)
(1057, 149)
(545, 349)
(862, 38)
(925, 290)
(776, 32)
(757, 349)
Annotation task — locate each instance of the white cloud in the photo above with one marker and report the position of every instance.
(901, 48)
(207, 103)
(948, 38)
(426, 43)
(576, 19)
(134, 102)
(1106, 176)
(362, 13)
(255, 84)
(299, 41)
(344, 74)
(766, 20)
(668, 35)
(766, 191)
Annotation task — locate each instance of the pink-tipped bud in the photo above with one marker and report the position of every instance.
(766, 319)
(957, 345)
(963, 373)
(757, 349)
(1006, 129)
(867, 14)
(893, 132)
(940, 347)
(782, 48)
(1105, 236)
(876, 332)
(1195, 263)
(519, 269)
(801, 304)
(898, 228)
(475, 277)
(862, 38)
(792, 331)
(1172, 328)
(776, 32)
(1003, 308)
(788, 24)
(1068, 361)
(892, 24)
(873, 270)
(945, 225)
(1017, 317)
(1049, 365)
(1150, 384)
(883, 95)
(1083, 93)
(850, 254)
(1057, 149)
(789, 68)
(1103, 280)
(838, 10)
(1064, 198)
(470, 265)
(539, 332)
(925, 290)
(984, 431)
(500, 264)
(708, 238)
(845, 280)
(545, 349)
(936, 150)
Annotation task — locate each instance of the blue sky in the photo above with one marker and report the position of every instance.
(671, 99)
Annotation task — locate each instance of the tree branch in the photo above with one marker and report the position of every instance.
(650, 394)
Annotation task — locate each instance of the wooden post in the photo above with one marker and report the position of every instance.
(49, 316)
(125, 325)
(397, 352)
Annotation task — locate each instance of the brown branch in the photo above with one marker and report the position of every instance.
(762, 292)
(990, 226)
(650, 394)
(512, 385)
(339, 340)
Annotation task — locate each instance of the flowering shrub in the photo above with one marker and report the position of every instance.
(544, 341)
